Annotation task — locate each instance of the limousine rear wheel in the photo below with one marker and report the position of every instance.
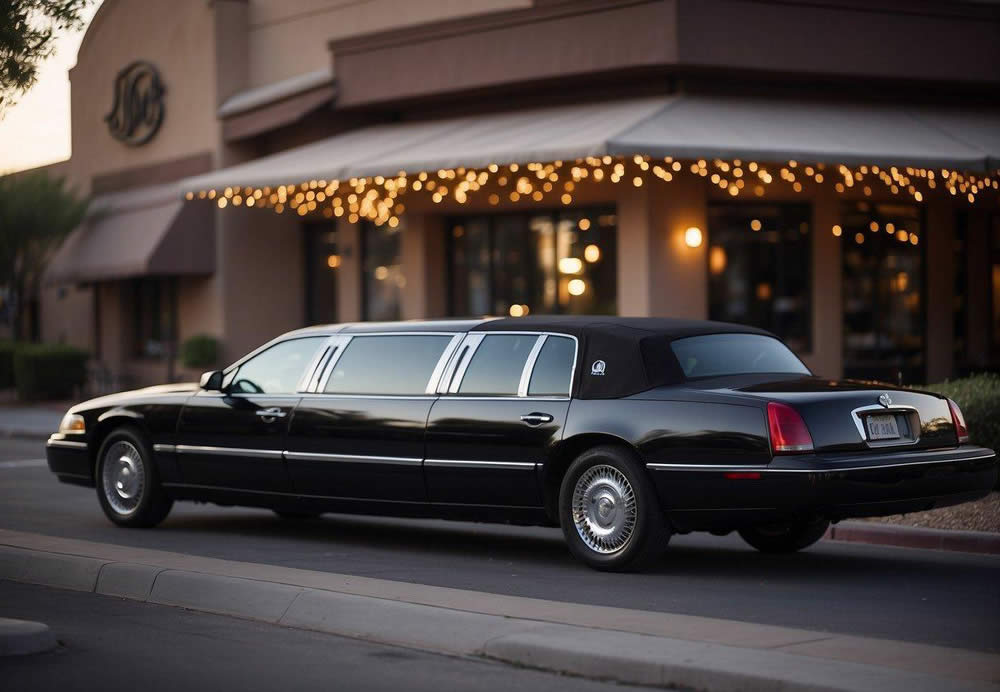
(609, 512)
(785, 538)
(128, 486)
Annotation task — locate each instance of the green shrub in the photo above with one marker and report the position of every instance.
(200, 351)
(48, 371)
(6, 364)
(979, 398)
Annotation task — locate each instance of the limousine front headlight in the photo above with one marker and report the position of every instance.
(73, 423)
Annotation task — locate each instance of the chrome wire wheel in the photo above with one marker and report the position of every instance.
(604, 509)
(123, 478)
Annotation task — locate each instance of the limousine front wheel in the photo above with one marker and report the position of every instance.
(609, 512)
(128, 487)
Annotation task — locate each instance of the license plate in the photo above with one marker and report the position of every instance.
(882, 427)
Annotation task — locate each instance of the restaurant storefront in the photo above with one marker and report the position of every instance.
(455, 166)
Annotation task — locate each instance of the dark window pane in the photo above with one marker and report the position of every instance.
(883, 292)
(322, 264)
(154, 308)
(734, 354)
(759, 260)
(387, 365)
(553, 372)
(497, 365)
(383, 271)
(545, 263)
(278, 369)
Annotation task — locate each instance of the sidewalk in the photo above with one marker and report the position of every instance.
(629, 646)
(35, 422)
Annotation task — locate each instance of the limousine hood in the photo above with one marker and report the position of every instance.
(121, 398)
(836, 411)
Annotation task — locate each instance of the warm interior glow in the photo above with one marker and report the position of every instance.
(570, 265)
(333, 261)
(577, 287)
(592, 253)
(717, 259)
(692, 237)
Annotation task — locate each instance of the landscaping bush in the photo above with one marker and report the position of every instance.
(979, 398)
(48, 371)
(200, 351)
(6, 364)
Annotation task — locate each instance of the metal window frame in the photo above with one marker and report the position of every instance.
(321, 377)
(456, 371)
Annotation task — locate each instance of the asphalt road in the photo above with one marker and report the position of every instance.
(948, 599)
(111, 643)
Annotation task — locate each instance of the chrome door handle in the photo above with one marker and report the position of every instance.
(271, 413)
(536, 418)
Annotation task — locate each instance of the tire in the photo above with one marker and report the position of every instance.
(602, 479)
(785, 538)
(128, 485)
(296, 516)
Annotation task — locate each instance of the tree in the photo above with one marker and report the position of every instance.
(27, 29)
(36, 213)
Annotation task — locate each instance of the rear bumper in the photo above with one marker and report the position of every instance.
(833, 486)
(69, 459)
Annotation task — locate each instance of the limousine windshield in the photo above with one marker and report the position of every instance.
(715, 355)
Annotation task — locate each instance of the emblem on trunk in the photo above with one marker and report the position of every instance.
(885, 400)
(598, 367)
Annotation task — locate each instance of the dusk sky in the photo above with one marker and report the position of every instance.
(36, 131)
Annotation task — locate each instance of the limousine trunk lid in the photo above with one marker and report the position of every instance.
(851, 415)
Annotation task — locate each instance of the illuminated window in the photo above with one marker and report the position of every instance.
(559, 262)
(322, 265)
(382, 271)
(883, 293)
(759, 261)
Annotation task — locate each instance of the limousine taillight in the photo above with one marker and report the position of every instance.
(789, 434)
(961, 429)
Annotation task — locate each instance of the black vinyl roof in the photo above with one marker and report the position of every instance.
(620, 356)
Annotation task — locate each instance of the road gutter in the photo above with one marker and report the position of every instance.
(627, 646)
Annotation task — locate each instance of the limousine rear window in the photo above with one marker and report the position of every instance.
(399, 364)
(496, 367)
(714, 355)
(553, 371)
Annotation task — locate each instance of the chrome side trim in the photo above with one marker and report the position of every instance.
(169, 449)
(765, 469)
(442, 363)
(472, 464)
(230, 451)
(352, 458)
(529, 365)
(470, 345)
(68, 444)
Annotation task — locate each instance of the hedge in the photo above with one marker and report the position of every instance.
(6, 364)
(48, 371)
(200, 351)
(979, 398)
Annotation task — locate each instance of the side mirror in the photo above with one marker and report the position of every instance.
(211, 381)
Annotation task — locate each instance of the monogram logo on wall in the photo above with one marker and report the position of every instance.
(137, 111)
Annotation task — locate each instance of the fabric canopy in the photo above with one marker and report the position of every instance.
(141, 232)
(682, 126)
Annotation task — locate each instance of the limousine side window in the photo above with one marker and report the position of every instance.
(496, 367)
(276, 370)
(400, 365)
(553, 371)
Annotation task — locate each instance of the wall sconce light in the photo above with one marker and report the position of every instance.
(692, 237)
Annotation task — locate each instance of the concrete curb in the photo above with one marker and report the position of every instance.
(23, 637)
(593, 652)
(915, 537)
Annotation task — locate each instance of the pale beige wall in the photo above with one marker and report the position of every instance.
(260, 277)
(424, 263)
(826, 357)
(289, 37)
(177, 37)
(349, 272)
(67, 316)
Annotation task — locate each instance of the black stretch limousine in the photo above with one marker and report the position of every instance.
(620, 430)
